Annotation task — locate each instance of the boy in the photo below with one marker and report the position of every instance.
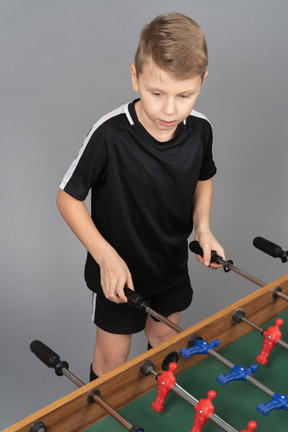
(149, 164)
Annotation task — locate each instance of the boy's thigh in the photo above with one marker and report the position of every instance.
(157, 332)
(112, 345)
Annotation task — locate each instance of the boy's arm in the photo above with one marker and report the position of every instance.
(114, 271)
(201, 220)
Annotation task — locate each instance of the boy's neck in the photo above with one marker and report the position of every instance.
(158, 135)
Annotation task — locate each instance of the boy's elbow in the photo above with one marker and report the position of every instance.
(60, 199)
(64, 200)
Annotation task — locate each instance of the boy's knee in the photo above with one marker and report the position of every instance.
(158, 333)
(103, 364)
(106, 360)
(155, 338)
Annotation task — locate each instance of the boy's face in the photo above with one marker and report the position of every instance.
(165, 101)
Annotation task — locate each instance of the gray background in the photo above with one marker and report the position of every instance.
(64, 64)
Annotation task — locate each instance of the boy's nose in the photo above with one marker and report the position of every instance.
(169, 107)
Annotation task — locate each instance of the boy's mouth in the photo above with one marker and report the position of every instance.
(168, 123)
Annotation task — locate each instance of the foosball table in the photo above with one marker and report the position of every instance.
(236, 358)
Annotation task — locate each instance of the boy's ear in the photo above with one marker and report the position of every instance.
(134, 78)
(205, 75)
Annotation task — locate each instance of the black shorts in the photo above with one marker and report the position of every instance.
(125, 319)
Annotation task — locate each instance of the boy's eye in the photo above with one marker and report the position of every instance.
(156, 93)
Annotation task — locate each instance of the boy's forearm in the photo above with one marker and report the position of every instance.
(114, 271)
(79, 220)
(201, 219)
(202, 205)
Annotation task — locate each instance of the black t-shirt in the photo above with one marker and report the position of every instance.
(142, 194)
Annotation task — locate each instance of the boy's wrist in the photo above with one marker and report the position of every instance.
(103, 251)
(202, 230)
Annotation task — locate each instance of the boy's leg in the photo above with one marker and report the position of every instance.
(169, 303)
(157, 332)
(111, 350)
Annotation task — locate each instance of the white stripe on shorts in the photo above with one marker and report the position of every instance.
(93, 306)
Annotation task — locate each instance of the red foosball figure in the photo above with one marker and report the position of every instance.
(166, 380)
(204, 408)
(251, 427)
(271, 337)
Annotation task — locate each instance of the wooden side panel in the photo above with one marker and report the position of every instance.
(126, 383)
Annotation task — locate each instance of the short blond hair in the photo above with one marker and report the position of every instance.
(176, 44)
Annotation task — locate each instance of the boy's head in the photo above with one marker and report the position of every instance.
(176, 44)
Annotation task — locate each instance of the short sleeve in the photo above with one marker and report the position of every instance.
(88, 168)
(208, 168)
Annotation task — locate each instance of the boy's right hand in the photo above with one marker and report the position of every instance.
(115, 275)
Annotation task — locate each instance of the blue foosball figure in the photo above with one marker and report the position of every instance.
(278, 401)
(238, 373)
(200, 347)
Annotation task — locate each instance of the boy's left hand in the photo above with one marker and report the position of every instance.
(208, 243)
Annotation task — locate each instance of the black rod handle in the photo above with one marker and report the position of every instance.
(131, 295)
(48, 357)
(270, 248)
(135, 299)
(195, 247)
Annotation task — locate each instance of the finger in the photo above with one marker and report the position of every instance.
(222, 254)
(215, 266)
(206, 254)
(121, 296)
(110, 291)
(129, 282)
(199, 258)
(120, 289)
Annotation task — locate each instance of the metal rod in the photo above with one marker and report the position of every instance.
(282, 343)
(163, 319)
(112, 412)
(242, 273)
(72, 377)
(217, 420)
(260, 385)
(221, 359)
(252, 324)
(177, 389)
(251, 278)
(153, 371)
(282, 295)
(98, 400)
